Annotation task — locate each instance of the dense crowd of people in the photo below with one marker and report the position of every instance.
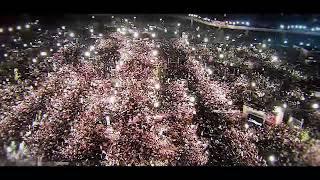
(126, 100)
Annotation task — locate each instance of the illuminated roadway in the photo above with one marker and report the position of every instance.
(247, 28)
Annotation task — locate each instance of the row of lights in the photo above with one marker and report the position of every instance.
(10, 29)
(238, 23)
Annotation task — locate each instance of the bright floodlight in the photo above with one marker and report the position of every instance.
(87, 54)
(27, 26)
(221, 56)
(136, 34)
(153, 35)
(43, 53)
(209, 71)
(92, 17)
(10, 29)
(5, 55)
(274, 58)
(192, 99)
(154, 52)
(284, 105)
(71, 34)
(315, 106)
(272, 158)
(156, 104)
(205, 39)
(157, 86)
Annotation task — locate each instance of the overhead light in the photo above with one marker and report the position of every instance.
(272, 158)
(315, 106)
(192, 99)
(43, 53)
(156, 104)
(136, 34)
(71, 34)
(87, 54)
(154, 52)
(284, 105)
(157, 86)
